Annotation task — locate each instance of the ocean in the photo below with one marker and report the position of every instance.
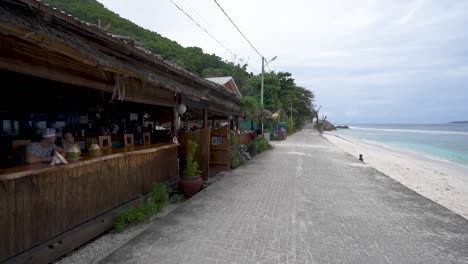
(447, 142)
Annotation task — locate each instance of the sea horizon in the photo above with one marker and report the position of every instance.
(446, 142)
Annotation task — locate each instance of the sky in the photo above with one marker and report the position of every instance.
(367, 61)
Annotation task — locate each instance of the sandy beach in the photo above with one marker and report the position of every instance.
(441, 181)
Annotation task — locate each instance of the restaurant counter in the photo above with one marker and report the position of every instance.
(39, 201)
(36, 168)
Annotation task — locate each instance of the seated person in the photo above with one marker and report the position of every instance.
(42, 151)
(68, 142)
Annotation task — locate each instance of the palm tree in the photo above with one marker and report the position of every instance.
(251, 109)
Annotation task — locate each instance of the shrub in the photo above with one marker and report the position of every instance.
(157, 198)
(235, 161)
(191, 167)
(261, 144)
(252, 148)
(243, 152)
(234, 141)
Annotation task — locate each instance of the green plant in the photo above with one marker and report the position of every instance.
(234, 139)
(179, 198)
(155, 201)
(235, 161)
(252, 148)
(191, 166)
(261, 144)
(234, 143)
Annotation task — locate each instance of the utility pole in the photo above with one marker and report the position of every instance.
(264, 62)
(263, 79)
(292, 122)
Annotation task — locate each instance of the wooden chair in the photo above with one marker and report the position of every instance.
(105, 142)
(18, 150)
(129, 140)
(146, 138)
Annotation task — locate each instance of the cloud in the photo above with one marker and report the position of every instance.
(352, 113)
(411, 13)
(363, 59)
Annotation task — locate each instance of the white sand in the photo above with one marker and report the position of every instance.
(443, 182)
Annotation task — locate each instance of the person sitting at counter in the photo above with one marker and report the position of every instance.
(68, 143)
(42, 151)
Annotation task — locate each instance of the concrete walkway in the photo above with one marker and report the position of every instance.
(303, 202)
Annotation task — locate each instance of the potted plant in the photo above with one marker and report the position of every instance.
(191, 180)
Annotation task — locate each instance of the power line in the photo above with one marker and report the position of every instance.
(248, 66)
(206, 31)
(236, 28)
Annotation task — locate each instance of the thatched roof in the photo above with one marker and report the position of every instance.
(40, 40)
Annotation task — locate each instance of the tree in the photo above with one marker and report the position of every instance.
(251, 109)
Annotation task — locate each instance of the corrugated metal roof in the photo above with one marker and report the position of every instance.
(220, 80)
(224, 81)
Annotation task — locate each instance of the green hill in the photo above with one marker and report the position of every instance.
(192, 58)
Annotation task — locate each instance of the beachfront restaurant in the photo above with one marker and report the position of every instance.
(59, 72)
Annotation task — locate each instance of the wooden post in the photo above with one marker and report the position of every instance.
(205, 118)
(175, 122)
(231, 122)
(237, 123)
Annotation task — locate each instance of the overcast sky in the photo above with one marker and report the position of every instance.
(367, 61)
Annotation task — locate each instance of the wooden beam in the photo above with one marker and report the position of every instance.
(175, 122)
(205, 118)
(52, 74)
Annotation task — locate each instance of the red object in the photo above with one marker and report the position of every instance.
(190, 187)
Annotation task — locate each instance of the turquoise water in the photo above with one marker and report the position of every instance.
(442, 141)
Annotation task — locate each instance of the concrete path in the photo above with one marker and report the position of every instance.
(303, 202)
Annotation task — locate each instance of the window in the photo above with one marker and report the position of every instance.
(10, 127)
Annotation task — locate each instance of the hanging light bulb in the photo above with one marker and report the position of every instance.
(181, 108)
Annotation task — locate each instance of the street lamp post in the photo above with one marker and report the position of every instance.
(292, 122)
(264, 63)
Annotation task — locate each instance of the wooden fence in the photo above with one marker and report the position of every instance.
(37, 205)
(220, 148)
(246, 138)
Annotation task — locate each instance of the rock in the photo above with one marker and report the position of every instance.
(328, 126)
(342, 127)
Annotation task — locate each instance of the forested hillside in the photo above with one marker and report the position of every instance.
(280, 90)
(192, 58)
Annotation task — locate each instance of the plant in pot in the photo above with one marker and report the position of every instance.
(191, 180)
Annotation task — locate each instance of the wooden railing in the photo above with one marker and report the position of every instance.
(39, 201)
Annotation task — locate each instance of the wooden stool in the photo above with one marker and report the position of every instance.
(105, 142)
(146, 138)
(128, 140)
(18, 150)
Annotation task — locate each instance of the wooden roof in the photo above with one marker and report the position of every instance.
(40, 40)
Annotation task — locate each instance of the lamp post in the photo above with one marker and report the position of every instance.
(292, 122)
(264, 63)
